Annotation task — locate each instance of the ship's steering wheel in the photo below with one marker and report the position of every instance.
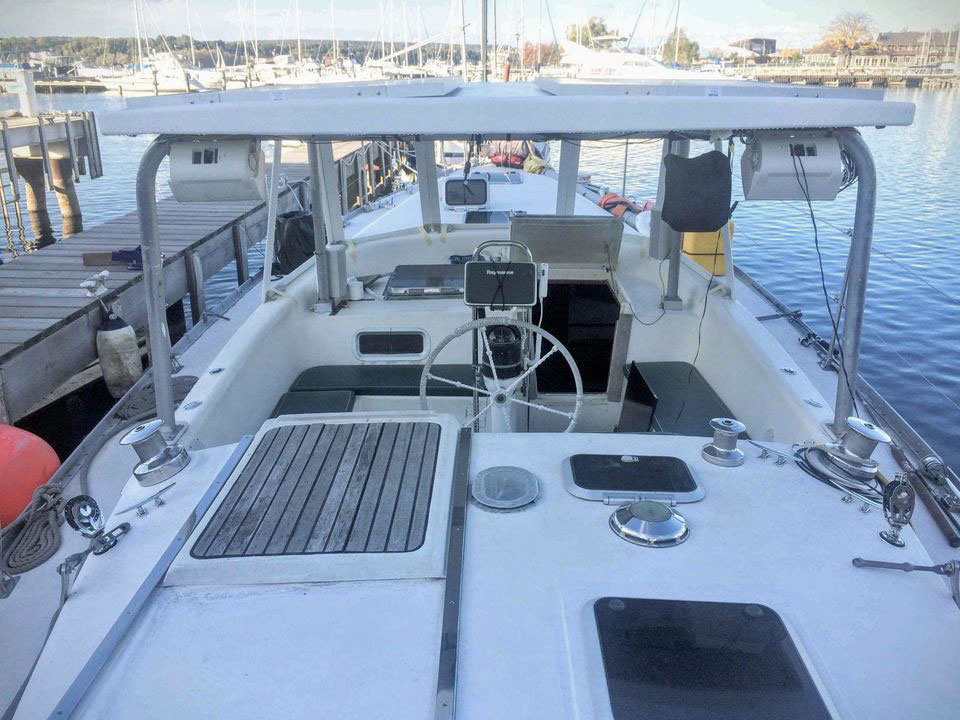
(504, 392)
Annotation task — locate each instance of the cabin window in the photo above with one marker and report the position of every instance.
(379, 343)
(583, 316)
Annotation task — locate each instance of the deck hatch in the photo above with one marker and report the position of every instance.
(328, 488)
(688, 660)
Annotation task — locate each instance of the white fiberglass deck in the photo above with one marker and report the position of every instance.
(528, 648)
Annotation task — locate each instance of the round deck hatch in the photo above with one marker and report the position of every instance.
(505, 487)
(650, 524)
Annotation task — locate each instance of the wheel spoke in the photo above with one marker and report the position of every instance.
(482, 391)
(476, 417)
(537, 406)
(529, 370)
(486, 348)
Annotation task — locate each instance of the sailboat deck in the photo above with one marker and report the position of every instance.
(531, 579)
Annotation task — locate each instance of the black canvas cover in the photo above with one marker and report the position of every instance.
(294, 241)
(697, 192)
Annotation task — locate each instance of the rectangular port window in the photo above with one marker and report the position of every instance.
(390, 343)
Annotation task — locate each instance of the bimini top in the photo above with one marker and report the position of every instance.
(545, 108)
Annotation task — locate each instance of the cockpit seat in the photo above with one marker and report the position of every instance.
(315, 401)
(383, 379)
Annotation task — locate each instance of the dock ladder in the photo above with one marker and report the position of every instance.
(9, 188)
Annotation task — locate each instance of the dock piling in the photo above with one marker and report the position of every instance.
(66, 193)
(34, 181)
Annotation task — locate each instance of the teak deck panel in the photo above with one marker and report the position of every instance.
(328, 488)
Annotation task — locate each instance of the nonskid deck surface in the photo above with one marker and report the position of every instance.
(328, 488)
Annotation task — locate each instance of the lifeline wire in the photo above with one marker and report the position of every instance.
(834, 321)
(706, 297)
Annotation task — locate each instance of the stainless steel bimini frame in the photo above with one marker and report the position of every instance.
(858, 266)
(153, 280)
(858, 261)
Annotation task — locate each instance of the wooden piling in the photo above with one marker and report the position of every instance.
(34, 180)
(66, 193)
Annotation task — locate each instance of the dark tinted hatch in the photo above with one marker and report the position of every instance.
(632, 473)
(685, 660)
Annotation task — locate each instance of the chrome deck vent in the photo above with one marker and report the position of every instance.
(650, 524)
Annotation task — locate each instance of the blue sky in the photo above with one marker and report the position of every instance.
(711, 22)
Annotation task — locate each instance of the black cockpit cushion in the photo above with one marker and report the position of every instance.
(384, 379)
(315, 401)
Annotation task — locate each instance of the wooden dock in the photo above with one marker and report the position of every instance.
(48, 323)
(852, 77)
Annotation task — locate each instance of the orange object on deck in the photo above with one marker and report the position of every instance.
(617, 205)
(26, 461)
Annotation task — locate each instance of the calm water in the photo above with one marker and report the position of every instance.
(911, 345)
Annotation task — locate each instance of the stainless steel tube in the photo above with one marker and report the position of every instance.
(153, 280)
(483, 40)
(671, 300)
(858, 268)
(319, 232)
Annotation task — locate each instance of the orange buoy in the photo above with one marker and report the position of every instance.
(26, 461)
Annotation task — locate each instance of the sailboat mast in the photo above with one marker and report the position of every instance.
(136, 25)
(956, 53)
(406, 31)
(193, 52)
(653, 31)
(451, 19)
(333, 30)
(299, 38)
(483, 40)
(496, 66)
(463, 39)
(539, 34)
(392, 30)
(243, 33)
(522, 42)
(676, 35)
(383, 37)
(256, 44)
(419, 35)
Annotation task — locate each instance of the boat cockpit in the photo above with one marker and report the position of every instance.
(493, 451)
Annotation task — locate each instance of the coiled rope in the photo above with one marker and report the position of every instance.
(34, 537)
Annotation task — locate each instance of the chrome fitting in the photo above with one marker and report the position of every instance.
(723, 450)
(159, 460)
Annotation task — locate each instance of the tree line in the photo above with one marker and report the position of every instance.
(105, 52)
